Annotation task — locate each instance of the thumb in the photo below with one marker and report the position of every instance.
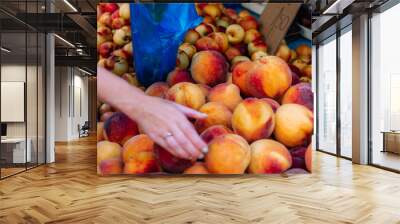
(190, 112)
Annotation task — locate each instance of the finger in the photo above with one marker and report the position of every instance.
(190, 112)
(176, 149)
(185, 143)
(196, 140)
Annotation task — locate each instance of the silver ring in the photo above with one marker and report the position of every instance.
(169, 134)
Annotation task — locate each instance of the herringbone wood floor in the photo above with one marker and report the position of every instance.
(69, 191)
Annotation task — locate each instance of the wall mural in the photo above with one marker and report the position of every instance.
(226, 61)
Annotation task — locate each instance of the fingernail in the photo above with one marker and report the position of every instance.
(204, 149)
(201, 156)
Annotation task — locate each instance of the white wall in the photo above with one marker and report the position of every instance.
(70, 83)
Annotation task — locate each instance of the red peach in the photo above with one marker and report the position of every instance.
(238, 59)
(158, 89)
(274, 105)
(270, 77)
(205, 89)
(197, 168)
(209, 67)
(308, 158)
(293, 125)
(138, 155)
(212, 10)
(228, 154)
(269, 156)
(221, 39)
(188, 48)
(304, 52)
(170, 163)
(251, 35)
(301, 94)
(182, 60)
(214, 131)
(232, 52)
(307, 71)
(257, 45)
(187, 94)
(253, 119)
(235, 33)
(106, 48)
(110, 167)
(108, 7)
(178, 75)
(248, 23)
(239, 75)
(119, 128)
(217, 114)
(100, 128)
(191, 36)
(244, 13)
(108, 150)
(207, 43)
(204, 29)
(298, 154)
(227, 94)
(208, 20)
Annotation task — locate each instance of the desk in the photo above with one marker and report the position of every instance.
(391, 141)
(17, 150)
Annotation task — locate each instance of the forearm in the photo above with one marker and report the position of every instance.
(118, 93)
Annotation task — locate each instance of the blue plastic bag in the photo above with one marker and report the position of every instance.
(157, 31)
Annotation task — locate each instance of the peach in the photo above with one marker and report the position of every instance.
(125, 11)
(131, 79)
(209, 68)
(122, 36)
(228, 154)
(221, 39)
(270, 77)
(208, 20)
(251, 35)
(307, 71)
(170, 163)
(108, 7)
(238, 59)
(212, 10)
(204, 29)
(188, 48)
(227, 94)
(106, 48)
(298, 154)
(248, 23)
(157, 89)
(257, 55)
(299, 64)
(239, 75)
(103, 34)
(138, 155)
(108, 150)
(308, 158)
(269, 156)
(235, 33)
(284, 52)
(105, 108)
(100, 128)
(293, 125)
(110, 166)
(197, 168)
(257, 45)
(182, 60)
(207, 43)
(231, 14)
(106, 115)
(244, 13)
(119, 128)
(118, 65)
(178, 75)
(274, 105)
(253, 119)
(105, 19)
(191, 36)
(199, 8)
(232, 52)
(304, 52)
(205, 89)
(214, 131)
(293, 55)
(187, 94)
(242, 47)
(301, 94)
(218, 114)
(223, 23)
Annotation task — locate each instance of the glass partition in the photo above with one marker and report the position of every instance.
(327, 95)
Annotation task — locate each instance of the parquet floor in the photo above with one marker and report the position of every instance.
(69, 191)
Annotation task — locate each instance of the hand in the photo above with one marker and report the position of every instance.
(158, 118)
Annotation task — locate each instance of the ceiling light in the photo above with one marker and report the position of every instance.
(70, 5)
(64, 40)
(5, 50)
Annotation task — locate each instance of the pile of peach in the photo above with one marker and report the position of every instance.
(259, 106)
